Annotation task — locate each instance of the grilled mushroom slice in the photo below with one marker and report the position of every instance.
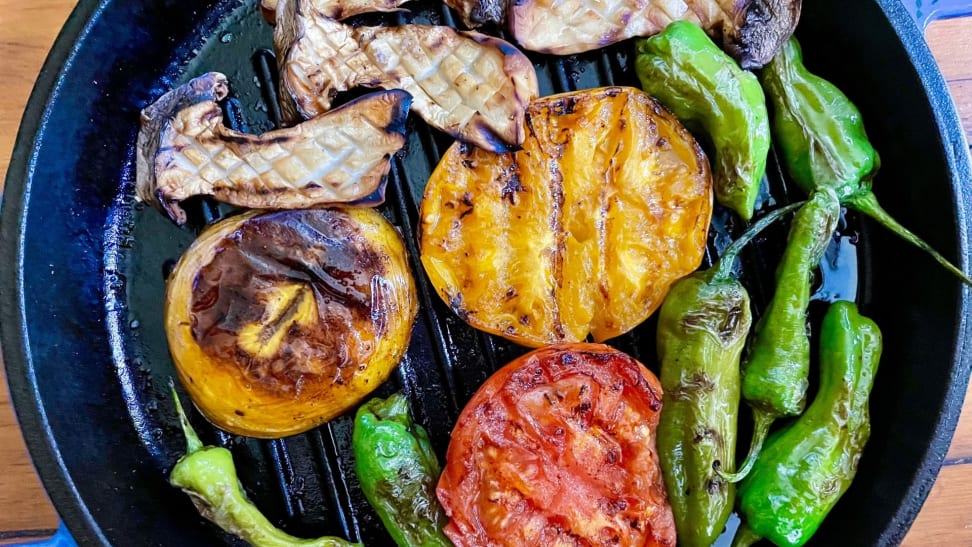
(475, 13)
(269, 10)
(185, 150)
(759, 29)
(336, 9)
(752, 31)
(469, 85)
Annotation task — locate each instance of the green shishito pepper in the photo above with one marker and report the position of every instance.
(208, 476)
(705, 88)
(806, 467)
(398, 472)
(776, 370)
(821, 135)
(702, 328)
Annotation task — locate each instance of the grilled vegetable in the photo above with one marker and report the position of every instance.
(279, 322)
(475, 13)
(777, 369)
(397, 470)
(702, 328)
(582, 231)
(185, 150)
(469, 85)
(336, 9)
(207, 474)
(752, 31)
(808, 466)
(821, 134)
(692, 77)
(558, 448)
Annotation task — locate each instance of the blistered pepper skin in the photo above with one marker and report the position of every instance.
(207, 474)
(398, 472)
(702, 329)
(775, 373)
(701, 333)
(822, 140)
(820, 133)
(805, 468)
(684, 69)
(776, 370)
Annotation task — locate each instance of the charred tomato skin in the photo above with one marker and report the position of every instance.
(559, 445)
(278, 322)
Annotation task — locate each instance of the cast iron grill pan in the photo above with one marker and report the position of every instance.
(98, 299)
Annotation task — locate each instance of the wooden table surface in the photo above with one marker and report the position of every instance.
(27, 30)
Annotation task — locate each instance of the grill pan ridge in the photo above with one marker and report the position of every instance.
(306, 483)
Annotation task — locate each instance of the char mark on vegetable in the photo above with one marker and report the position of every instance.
(184, 150)
(469, 85)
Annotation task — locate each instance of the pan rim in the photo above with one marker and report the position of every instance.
(18, 364)
(957, 154)
(45, 453)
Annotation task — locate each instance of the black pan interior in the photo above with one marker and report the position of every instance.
(82, 302)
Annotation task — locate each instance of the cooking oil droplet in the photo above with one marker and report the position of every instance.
(226, 38)
(839, 271)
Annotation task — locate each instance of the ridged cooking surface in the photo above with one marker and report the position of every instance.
(306, 483)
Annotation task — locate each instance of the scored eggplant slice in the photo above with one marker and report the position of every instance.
(469, 85)
(343, 156)
(278, 322)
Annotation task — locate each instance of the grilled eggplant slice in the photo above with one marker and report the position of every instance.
(752, 31)
(469, 85)
(582, 231)
(185, 150)
(278, 322)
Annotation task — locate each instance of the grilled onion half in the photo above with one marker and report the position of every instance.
(278, 322)
(581, 231)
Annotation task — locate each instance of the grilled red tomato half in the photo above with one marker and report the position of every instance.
(558, 448)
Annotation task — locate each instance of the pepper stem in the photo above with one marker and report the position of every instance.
(867, 203)
(723, 268)
(193, 444)
(762, 421)
(745, 536)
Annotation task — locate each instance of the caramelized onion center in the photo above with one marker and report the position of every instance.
(288, 295)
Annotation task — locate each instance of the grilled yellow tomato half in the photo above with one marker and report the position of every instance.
(278, 322)
(581, 231)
